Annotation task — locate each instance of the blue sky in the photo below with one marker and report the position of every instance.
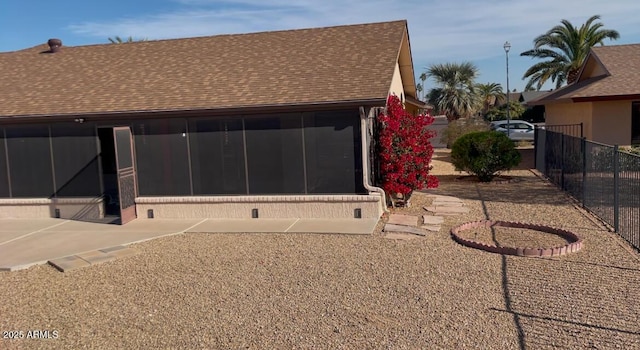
(440, 31)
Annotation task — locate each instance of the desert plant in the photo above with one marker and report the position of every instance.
(484, 154)
(460, 127)
(500, 113)
(119, 40)
(490, 94)
(405, 150)
(454, 95)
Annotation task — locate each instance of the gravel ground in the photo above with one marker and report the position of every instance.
(265, 291)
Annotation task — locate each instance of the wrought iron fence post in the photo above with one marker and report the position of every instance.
(616, 184)
(583, 149)
(581, 129)
(562, 162)
(535, 147)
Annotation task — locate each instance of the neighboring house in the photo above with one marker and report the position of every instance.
(605, 98)
(273, 124)
(533, 113)
(527, 96)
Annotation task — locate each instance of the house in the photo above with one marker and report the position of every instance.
(532, 113)
(605, 97)
(271, 124)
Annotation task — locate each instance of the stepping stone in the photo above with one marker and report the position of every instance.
(447, 210)
(401, 236)
(446, 198)
(447, 204)
(405, 229)
(96, 257)
(400, 219)
(68, 263)
(432, 220)
(434, 228)
(120, 251)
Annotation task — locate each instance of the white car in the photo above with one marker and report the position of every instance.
(519, 130)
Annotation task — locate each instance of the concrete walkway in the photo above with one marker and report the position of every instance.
(28, 242)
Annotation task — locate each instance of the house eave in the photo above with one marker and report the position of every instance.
(415, 102)
(606, 98)
(221, 111)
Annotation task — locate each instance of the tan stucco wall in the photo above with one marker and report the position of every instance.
(270, 207)
(570, 113)
(612, 122)
(231, 207)
(606, 122)
(396, 84)
(70, 208)
(397, 88)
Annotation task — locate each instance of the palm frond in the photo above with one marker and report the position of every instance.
(564, 48)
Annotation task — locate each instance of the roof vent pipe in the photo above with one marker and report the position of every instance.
(54, 45)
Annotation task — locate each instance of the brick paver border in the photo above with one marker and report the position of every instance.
(574, 245)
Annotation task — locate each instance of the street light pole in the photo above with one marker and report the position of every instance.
(507, 47)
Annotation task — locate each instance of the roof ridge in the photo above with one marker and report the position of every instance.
(600, 47)
(275, 31)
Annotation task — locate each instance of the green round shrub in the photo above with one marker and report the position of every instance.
(484, 154)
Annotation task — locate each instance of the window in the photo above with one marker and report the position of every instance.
(75, 159)
(30, 159)
(332, 150)
(217, 156)
(635, 123)
(275, 154)
(4, 178)
(285, 154)
(162, 157)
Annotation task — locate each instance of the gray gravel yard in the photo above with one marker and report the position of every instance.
(322, 291)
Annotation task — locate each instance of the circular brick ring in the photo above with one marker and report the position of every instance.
(574, 245)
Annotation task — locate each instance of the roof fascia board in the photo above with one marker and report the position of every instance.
(407, 72)
(246, 110)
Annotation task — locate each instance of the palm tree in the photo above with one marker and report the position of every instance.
(423, 77)
(489, 94)
(455, 95)
(565, 48)
(119, 40)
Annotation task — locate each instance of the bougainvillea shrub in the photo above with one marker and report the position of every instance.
(404, 150)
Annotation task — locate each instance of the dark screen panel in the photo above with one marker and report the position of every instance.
(635, 123)
(217, 157)
(161, 157)
(30, 161)
(123, 148)
(75, 159)
(332, 149)
(4, 177)
(274, 154)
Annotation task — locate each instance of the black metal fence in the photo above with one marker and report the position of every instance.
(605, 179)
(576, 130)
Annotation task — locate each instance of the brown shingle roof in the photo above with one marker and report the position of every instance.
(321, 65)
(621, 65)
